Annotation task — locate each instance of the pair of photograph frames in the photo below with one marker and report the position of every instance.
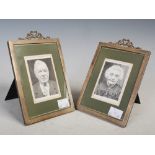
(40, 76)
(113, 80)
(109, 91)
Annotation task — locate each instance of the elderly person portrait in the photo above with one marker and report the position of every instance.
(44, 87)
(109, 84)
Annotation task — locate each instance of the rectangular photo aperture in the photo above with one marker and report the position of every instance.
(112, 81)
(42, 77)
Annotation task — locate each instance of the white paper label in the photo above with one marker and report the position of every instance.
(63, 103)
(116, 113)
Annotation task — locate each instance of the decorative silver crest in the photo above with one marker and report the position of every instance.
(125, 43)
(34, 35)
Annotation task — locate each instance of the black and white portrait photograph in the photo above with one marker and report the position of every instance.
(112, 81)
(42, 77)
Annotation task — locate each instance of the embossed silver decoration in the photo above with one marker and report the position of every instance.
(34, 35)
(125, 43)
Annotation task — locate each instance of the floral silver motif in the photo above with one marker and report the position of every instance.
(125, 43)
(34, 35)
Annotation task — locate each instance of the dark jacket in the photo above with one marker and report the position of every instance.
(37, 90)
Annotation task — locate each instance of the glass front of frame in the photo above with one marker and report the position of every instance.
(42, 78)
(112, 81)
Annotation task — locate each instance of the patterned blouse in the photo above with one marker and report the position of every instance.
(111, 92)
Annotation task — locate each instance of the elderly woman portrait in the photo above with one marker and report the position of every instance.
(44, 87)
(108, 85)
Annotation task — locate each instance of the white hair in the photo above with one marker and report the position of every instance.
(115, 67)
(38, 64)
